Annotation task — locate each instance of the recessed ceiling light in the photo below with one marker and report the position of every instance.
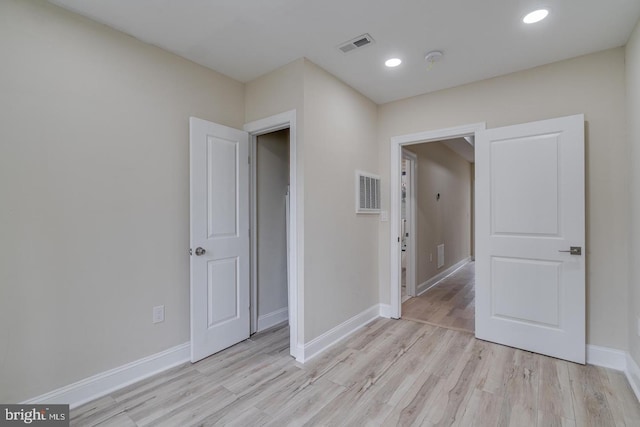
(393, 62)
(535, 16)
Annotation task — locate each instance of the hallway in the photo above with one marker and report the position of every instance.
(450, 304)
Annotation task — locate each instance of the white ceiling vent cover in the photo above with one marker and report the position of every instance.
(358, 42)
(367, 193)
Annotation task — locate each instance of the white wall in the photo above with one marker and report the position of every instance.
(340, 247)
(633, 125)
(447, 220)
(272, 176)
(593, 85)
(94, 188)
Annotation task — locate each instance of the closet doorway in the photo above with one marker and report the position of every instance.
(270, 171)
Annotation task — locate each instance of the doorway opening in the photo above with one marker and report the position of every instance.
(441, 189)
(407, 142)
(295, 308)
(270, 170)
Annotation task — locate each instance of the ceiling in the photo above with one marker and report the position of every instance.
(244, 39)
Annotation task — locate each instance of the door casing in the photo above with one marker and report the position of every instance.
(296, 306)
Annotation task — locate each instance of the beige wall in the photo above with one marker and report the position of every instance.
(593, 85)
(276, 92)
(633, 124)
(340, 247)
(448, 220)
(336, 134)
(272, 176)
(94, 187)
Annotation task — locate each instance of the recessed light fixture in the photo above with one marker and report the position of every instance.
(393, 62)
(535, 16)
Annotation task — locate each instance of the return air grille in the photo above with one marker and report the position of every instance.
(358, 42)
(367, 193)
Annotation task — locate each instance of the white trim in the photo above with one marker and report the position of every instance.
(109, 381)
(606, 357)
(395, 155)
(385, 311)
(272, 319)
(632, 372)
(425, 286)
(296, 224)
(331, 337)
(253, 234)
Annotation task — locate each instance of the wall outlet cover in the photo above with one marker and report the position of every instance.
(158, 314)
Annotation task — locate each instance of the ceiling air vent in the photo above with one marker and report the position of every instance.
(367, 193)
(360, 41)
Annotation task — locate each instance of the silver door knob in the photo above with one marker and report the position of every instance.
(200, 251)
(574, 250)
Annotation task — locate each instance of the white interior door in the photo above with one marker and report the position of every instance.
(530, 290)
(219, 237)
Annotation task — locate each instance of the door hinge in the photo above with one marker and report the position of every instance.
(398, 239)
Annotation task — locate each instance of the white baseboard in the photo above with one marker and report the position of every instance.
(109, 381)
(385, 311)
(326, 340)
(425, 286)
(632, 372)
(272, 319)
(606, 357)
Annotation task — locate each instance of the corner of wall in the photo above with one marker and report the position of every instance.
(632, 71)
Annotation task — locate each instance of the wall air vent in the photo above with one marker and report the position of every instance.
(360, 41)
(367, 193)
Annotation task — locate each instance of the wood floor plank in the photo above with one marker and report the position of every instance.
(450, 304)
(392, 373)
(554, 392)
(590, 402)
(482, 410)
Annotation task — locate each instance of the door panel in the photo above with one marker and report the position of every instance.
(220, 228)
(530, 294)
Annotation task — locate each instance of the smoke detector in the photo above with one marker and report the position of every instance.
(433, 56)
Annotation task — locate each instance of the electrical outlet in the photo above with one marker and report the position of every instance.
(158, 314)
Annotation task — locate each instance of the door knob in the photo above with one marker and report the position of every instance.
(200, 251)
(574, 250)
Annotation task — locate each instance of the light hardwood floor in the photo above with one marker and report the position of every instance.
(391, 373)
(450, 304)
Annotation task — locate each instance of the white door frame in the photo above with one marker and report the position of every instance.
(253, 223)
(397, 142)
(411, 202)
(296, 305)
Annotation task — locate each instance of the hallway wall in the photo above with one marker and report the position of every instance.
(447, 220)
